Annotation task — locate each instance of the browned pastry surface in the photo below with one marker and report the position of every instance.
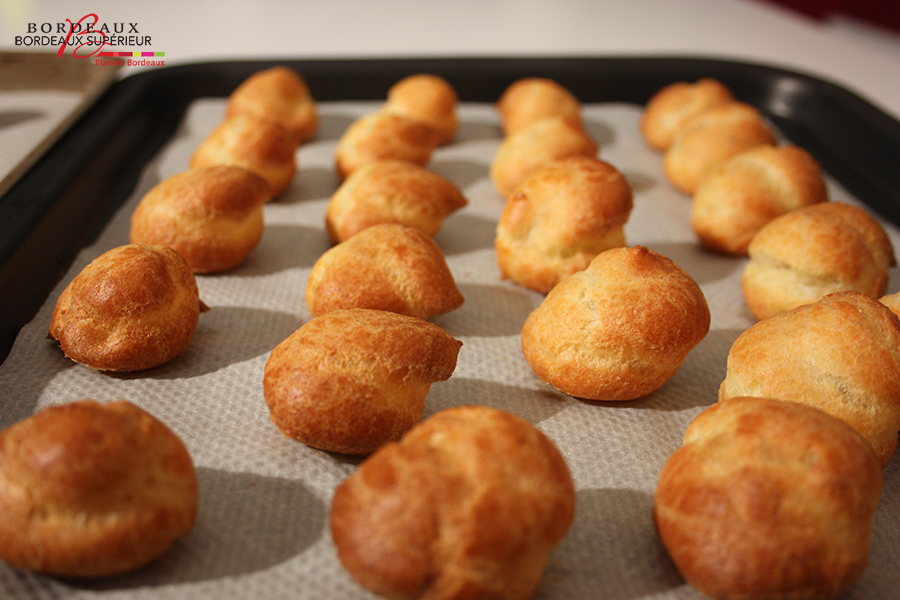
(278, 94)
(527, 150)
(617, 330)
(391, 191)
(248, 141)
(559, 219)
(768, 499)
(668, 109)
(212, 216)
(429, 99)
(532, 99)
(90, 490)
(736, 199)
(840, 354)
(351, 380)
(387, 267)
(132, 308)
(892, 301)
(384, 135)
(469, 504)
(710, 138)
(801, 256)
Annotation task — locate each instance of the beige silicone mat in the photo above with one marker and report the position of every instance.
(262, 530)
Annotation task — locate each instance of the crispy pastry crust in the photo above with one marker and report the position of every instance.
(747, 191)
(388, 267)
(468, 504)
(768, 499)
(90, 490)
(426, 98)
(529, 149)
(212, 216)
(840, 354)
(559, 219)
(534, 98)
(255, 143)
(384, 135)
(892, 301)
(278, 94)
(710, 138)
(351, 380)
(132, 308)
(671, 107)
(391, 191)
(804, 255)
(617, 330)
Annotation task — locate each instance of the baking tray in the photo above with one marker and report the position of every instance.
(41, 95)
(140, 131)
(69, 195)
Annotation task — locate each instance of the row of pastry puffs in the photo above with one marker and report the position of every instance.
(90, 489)
(616, 324)
(773, 491)
(136, 307)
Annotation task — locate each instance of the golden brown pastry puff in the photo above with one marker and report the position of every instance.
(278, 94)
(263, 146)
(351, 380)
(212, 216)
(391, 191)
(709, 139)
(388, 267)
(840, 354)
(617, 330)
(535, 98)
(803, 255)
(429, 99)
(559, 219)
(668, 109)
(747, 191)
(91, 490)
(768, 499)
(469, 504)
(132, 308)
(522, 153)
(892, 301)
(384, 135)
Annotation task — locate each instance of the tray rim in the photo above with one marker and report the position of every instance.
(66, 198)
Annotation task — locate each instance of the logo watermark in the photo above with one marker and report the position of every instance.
(87, 37)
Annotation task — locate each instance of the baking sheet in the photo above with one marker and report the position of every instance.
(41, 95)
(262, 530)
(61, 203)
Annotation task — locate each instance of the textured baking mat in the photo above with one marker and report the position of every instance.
(262, 529)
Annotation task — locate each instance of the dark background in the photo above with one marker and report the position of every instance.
(882, 13)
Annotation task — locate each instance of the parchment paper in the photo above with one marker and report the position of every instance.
(262, 530)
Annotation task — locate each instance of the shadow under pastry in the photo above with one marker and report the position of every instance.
(489, 311)
(702, 265)
(226, 335)
(284, 247)
(462, 173)
(533, 405)
(463, 232)
(612, 550)
(601, 133)
(310, 183)
(246, 523)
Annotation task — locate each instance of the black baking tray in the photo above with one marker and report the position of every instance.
(65, 199)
